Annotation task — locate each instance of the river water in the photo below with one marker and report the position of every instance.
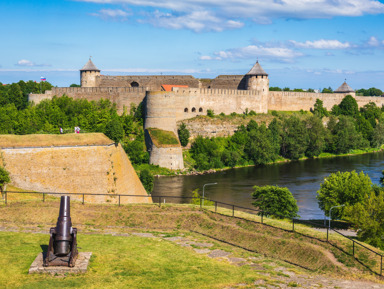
(302, 178)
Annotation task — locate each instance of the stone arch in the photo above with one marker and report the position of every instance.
(200, 109)
(134, 84)
(185, 109)
(193, 109)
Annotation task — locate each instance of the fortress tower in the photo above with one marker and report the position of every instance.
(88, 74)
(257, 79)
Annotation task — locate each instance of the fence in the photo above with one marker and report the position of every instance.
(232, 209)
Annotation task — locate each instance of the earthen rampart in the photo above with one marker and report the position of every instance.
(100, 169)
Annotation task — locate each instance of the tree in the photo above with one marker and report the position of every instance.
(319, 110)
(367, 217)
(114, 130)
(294, 139)
(274, 88)
(348, 106)
(327, 90)
(75, 85)
(147, 180)
(183, 133)
(259, 147)
(4, 178)
(210, 113)
(342, 188)
(346, 137)
(316, 136)
(275, 201)
(378, 135)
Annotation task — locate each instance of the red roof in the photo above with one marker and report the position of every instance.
(168, 87)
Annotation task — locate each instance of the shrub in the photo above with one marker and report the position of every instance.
(184, 134)
(4, 178)
(210, 113)
(275, 201)
(147, 179)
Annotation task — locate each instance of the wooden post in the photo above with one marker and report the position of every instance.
(119, 200)
(43, 197)
(215, 207)
(83, 199)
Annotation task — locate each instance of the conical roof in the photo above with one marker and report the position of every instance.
(344, 88)
(89, 66)
(257, 70)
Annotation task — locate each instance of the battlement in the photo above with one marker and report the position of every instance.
(216, 91)
(70, 90)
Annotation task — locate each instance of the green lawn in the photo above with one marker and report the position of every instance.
(119, 262)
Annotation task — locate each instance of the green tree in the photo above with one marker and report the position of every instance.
(294, 139)
(319, 110)
(259, 147)
(114, 130)
(327, 90)
(348, 106)
(75, 85)
(274, 88)
(4, 178)
(378, 135)
(346, 137)
(275, 201)
(342, 188)
(147, 180)
(316, 136)
(367, 217)
(184, 134)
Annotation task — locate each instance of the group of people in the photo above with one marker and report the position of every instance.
(77, 130)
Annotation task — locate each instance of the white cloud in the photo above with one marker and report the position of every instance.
(196, 21)
(28, 63)
(254, 51)
(322, 44)
(232, 14)
(115, 14)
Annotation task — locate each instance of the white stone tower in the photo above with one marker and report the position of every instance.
(88, 74)
(257, 79)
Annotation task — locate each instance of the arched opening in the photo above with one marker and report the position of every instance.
(134, 84)
(200, 109)
(185, 109)
(193, 109)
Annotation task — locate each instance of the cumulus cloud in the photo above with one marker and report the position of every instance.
(28, 63)
(283, 54)
(322, 44)
(232, 14)
(114, 14)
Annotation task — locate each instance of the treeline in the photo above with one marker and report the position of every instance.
(17, 93)
(294, 137)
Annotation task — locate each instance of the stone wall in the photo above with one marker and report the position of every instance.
(191, 102)
(101, 169)
(295, 101)
(122, 96)
(152, 82)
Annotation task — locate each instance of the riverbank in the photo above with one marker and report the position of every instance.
(190, 171)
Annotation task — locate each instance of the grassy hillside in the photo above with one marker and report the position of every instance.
(304, 248)
(163, 138)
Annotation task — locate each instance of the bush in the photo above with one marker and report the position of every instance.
(184, 134)
(147, 180)
(4, 178)
(275, 201)
(210, 113)
(114, 130)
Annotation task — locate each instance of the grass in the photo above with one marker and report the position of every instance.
(45, 140)
(119, 262)
(304, 247)
(163, 138)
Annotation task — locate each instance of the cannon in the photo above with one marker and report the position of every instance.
(62, 248)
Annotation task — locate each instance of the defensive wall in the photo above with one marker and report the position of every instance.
(295, 101)
(152, 82)
(91, 169)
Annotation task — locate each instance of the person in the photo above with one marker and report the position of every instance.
(61, 130)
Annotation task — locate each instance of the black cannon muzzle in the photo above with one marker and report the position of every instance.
(63, 237)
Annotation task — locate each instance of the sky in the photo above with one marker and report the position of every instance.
(299, 43)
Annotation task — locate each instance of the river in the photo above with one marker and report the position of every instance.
(302, 178)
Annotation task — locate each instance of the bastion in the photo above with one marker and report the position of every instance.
(72, 163)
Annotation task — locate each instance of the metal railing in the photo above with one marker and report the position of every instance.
(232, 212)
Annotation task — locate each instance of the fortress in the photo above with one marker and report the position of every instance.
(171, 98)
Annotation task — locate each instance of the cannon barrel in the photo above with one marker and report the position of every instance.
(63, 236)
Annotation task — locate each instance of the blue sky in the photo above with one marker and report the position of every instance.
(300, 43)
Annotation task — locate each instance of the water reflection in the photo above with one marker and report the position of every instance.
(303, 179)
